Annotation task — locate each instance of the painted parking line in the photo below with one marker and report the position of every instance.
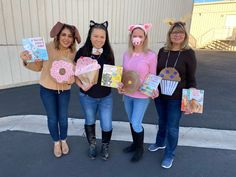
(189, 136)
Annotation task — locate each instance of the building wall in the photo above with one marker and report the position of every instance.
(32, 18)
(210, 19)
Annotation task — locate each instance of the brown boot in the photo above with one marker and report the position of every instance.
(57, 149)
(64, 147)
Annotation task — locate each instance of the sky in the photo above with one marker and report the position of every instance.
(206, 0)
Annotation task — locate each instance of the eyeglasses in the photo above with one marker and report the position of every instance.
(178, 33)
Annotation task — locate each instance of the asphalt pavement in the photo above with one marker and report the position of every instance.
(29, 154)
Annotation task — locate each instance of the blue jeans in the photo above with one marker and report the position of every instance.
(103, 106)
(56, 106)
(135, 109)
(169, 112)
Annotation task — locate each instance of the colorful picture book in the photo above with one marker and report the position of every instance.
(111, 75)
(192, 100)
(36, 47)
(151, 83)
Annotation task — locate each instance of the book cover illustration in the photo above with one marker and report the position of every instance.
(150, 83)
(36, 47)
(111, 75)
(192, 100)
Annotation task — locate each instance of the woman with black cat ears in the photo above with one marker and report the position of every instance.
(96, 99)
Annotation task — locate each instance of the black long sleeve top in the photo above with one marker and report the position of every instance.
(186, 66)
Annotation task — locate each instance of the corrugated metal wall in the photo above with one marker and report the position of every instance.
(209, 16)
(32, 18)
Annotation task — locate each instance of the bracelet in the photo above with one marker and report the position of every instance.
(25, 63)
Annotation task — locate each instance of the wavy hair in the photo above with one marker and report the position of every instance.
(57, 38)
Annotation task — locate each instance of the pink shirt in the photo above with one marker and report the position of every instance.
(143, 64)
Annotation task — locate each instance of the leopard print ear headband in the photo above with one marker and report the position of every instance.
(181, 22)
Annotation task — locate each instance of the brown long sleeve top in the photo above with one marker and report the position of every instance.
(44, 66)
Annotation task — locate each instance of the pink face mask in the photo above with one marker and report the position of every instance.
(136, 41)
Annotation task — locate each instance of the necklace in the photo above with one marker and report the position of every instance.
(175, 60)
(95, 56)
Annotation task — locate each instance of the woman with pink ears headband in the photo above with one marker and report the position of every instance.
(140, 61)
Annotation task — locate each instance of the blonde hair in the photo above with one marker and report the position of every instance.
(145, 42)
(177, 26)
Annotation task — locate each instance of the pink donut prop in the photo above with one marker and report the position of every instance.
(61, 71)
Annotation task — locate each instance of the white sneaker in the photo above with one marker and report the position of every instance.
(155, 147)
(167, 162)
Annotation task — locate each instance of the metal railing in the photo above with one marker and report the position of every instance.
(192, 41)
(214, 34)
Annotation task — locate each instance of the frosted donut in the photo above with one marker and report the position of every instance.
(61, 70)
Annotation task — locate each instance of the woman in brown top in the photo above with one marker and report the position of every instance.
(55, 96)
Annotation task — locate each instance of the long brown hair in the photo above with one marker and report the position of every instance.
(57, 38)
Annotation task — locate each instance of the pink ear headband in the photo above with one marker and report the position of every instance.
(145, 27)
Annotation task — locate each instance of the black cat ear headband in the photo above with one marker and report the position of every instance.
(94, 24)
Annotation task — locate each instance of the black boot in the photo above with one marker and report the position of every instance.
(138, 154)
(91, 137)
(106, 137)
(132, 147)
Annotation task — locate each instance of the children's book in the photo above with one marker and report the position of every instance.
(150, 83)
(192, 100)
(36, 47)
(111, 75)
